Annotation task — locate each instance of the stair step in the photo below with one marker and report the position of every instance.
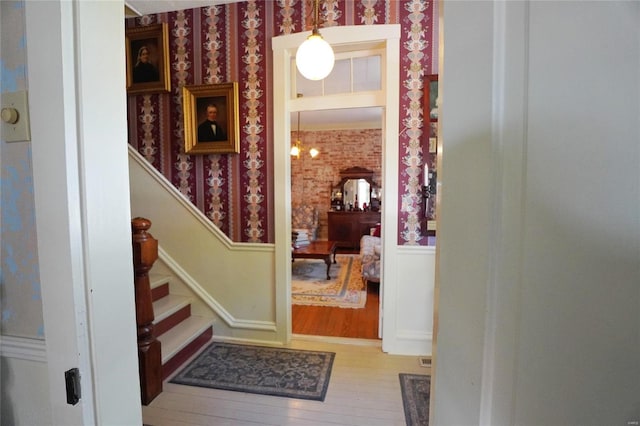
(159, 285)
(170, 311)
(182, 341)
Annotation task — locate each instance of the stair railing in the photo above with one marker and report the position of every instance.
(145, 253)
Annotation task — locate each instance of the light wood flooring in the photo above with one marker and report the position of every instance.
(364, 389)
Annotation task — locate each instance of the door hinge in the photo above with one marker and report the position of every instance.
(72, 381)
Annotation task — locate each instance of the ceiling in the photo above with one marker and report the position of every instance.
(356, 118)
(146, 7)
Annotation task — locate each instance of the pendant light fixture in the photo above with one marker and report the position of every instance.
(297, 148)
(315, 57)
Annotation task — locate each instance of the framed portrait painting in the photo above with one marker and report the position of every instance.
(430, 112)
(211, 118)
(147, 59)
(431, 97)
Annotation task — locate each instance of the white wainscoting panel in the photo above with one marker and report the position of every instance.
(414, 279)
(24, 364)
(235, 279)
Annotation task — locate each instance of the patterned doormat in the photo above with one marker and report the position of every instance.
(415, 398)
(345, 289)
(260, 369)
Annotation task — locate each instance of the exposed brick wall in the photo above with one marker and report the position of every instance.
(313, 178)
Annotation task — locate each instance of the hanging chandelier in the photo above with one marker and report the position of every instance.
(297, 148)
(315, 58)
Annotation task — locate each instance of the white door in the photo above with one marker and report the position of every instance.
(539, 300)
(78, 137)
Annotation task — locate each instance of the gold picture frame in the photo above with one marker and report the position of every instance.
(431, 97)
(148, 59)
(211, 124)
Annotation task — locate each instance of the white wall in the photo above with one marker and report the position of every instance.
(540, 217)
(24, 382)
(236, 280)
(18, 377)
(21, 304)
(463, 219)
(580, 328)
(412, 321)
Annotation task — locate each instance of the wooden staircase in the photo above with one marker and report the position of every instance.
(168, 335)
(180, 333)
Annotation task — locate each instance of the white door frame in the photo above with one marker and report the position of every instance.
(386, 37)
(81, 190)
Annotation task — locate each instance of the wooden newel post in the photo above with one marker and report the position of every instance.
(145, 253)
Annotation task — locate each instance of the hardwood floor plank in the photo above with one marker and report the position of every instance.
(339, 322)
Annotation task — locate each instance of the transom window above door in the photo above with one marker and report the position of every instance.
(353, 72)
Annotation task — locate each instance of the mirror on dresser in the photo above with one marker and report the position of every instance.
(355, 207)
(356, 191)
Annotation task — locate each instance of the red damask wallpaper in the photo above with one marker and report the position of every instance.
(227, 43)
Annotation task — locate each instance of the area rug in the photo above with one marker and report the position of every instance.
(345, 289)
(415, 398)
(260, 369)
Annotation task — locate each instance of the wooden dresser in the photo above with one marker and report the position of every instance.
(346, 228)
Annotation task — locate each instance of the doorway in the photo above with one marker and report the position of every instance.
(386, 39)
(347, 306)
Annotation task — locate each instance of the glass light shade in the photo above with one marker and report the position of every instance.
(313, 152)
(295, 151)
(425, 176)
(315, 58)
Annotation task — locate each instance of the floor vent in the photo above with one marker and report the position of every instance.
(424, 362)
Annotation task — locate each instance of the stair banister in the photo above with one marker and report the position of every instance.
(145, 253)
